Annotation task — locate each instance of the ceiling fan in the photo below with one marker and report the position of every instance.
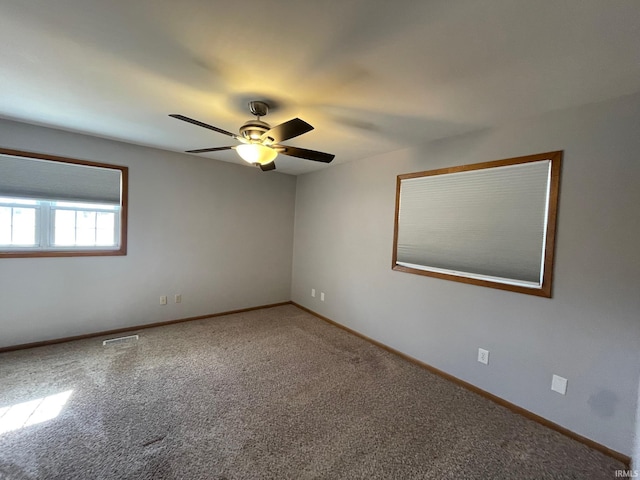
(259, 142)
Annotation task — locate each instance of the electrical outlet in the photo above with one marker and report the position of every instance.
(163, 300)
(322, 296)
(483, 356)
(313, 292)
(178, 298)
(559, 384)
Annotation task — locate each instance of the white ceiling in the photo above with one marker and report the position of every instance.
(372, 76)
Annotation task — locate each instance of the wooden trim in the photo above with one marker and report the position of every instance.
(552, 222)
(545, 290)
(124, 210)
(65, 253)
(394, 256)
(137, 327)
(483, 165)
(124, 205)
(494, 398)
(55, 158)
(539, 292)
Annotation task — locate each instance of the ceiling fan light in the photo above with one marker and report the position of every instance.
(256, 153)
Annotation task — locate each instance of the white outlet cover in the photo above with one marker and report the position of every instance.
(559, 384)
(178, 298)
(163, 300)
(483, 356)
(313, 292)
(322, 296)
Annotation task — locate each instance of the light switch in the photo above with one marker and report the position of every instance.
(559, 384)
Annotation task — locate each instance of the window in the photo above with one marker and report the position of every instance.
(18, 222)
(46, 225)
(53, 206)
(78, 224)
(490, 224)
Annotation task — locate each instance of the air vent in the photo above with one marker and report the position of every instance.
(119, 340)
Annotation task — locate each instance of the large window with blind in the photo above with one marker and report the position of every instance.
(55, 206)
(490, 224)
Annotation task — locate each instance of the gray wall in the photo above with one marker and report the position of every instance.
(589, 332)
(219, 234)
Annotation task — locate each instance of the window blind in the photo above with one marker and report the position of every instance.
(43, 179)
(490, 223)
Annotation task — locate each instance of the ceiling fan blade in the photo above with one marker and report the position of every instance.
(268, 166)
(203, 125)
(205, 150)
(304, 153)
(287, 130)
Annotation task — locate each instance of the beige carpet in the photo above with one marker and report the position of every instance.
(269, 394)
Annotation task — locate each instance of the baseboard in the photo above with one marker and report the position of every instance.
(500, 401)
(136, 327)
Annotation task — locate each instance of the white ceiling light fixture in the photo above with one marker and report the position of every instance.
(256, 153)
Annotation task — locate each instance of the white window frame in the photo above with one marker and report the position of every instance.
(45, 225)
(52, 207)
(37, 234)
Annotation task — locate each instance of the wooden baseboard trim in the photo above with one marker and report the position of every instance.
(137, 327)
(500, 401)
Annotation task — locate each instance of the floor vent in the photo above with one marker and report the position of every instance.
(119, 340)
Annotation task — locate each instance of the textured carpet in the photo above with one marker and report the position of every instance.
(273, 393)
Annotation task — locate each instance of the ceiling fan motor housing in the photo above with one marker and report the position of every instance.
(254, 129)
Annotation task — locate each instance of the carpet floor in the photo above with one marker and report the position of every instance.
(268, 394)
